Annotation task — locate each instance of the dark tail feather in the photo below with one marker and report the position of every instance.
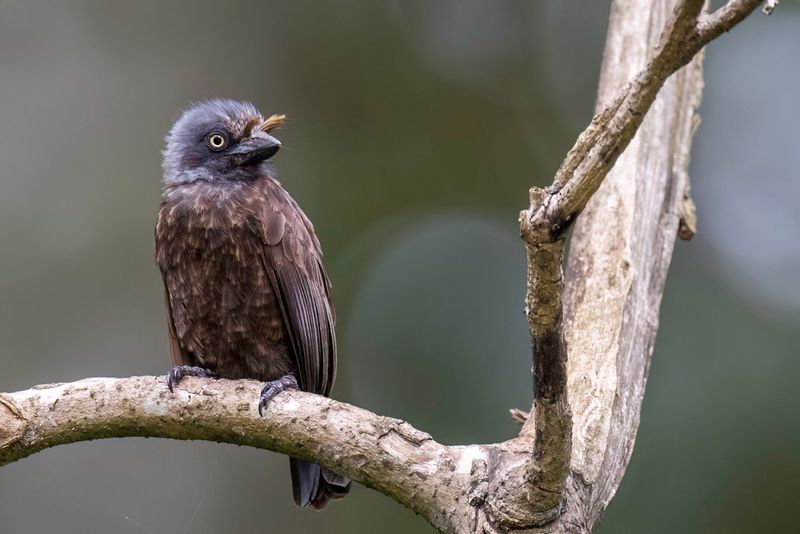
(314, 485)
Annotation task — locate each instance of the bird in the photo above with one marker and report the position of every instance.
(247, 294)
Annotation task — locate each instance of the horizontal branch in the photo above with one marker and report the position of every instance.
(380, 452)
(456, 488)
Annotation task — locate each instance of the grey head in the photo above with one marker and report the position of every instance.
(219, 140)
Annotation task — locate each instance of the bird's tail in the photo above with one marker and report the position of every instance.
(314, 485)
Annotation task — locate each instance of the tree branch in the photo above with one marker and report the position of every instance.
(380, 452)
(611, 130)
(563, 469)
(552, 211)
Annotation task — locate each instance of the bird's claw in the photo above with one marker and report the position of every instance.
(272, 388)
(178, 372)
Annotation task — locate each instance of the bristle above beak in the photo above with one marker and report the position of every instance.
(273, 122)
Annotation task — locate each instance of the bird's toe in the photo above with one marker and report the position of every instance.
(180, 371)
(272, 388)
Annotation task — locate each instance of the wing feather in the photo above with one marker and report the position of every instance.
(292, 258)
(179, 356)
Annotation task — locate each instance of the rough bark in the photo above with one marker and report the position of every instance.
(592, 330)
(446, 485)
(619, 256)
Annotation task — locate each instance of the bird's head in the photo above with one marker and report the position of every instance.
(219, 140)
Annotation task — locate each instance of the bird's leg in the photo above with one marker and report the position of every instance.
(273, 387)
(179, 371)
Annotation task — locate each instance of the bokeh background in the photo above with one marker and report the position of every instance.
(415, 129)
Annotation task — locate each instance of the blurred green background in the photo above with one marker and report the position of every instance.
(415, 129)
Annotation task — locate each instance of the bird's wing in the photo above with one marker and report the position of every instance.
(179, 357)
(292, 258)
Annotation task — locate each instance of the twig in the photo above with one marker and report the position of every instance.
(769, 6)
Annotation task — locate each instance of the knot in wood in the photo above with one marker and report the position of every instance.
(12, 422)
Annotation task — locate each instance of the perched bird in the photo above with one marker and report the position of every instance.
(247, 294)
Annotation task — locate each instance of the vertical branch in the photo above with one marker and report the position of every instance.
(621, 247)
(619, 257)
(551, 422)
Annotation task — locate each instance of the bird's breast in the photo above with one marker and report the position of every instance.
(215, 227)
(223, 306)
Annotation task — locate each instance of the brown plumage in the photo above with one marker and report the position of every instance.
(247, 293)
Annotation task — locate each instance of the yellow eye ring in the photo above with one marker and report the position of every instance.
(217, 140)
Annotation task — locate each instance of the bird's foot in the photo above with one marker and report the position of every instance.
(272, 388)
(180, 371)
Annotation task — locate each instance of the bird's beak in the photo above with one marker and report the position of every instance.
(260, 147)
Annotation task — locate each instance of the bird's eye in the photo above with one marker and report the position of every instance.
(217, 140)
